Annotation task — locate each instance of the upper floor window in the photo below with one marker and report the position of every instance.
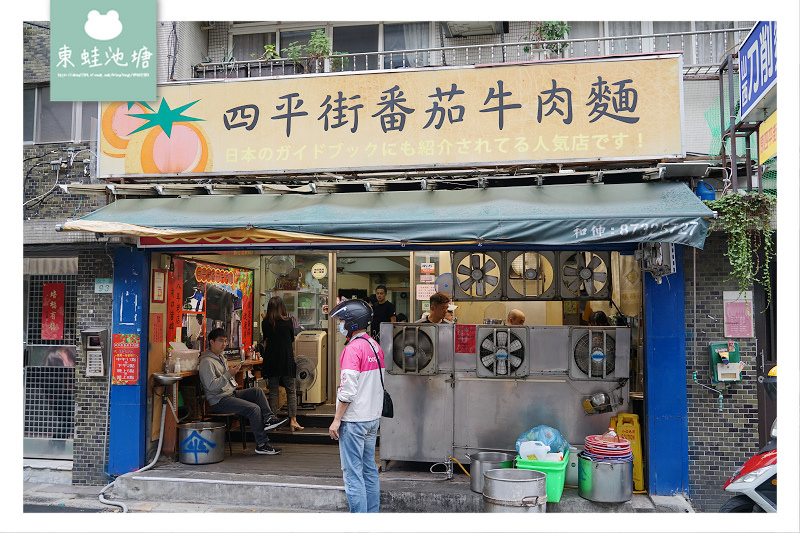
(45, 121)
(248, 40)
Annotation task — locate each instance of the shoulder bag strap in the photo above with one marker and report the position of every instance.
(380, 374)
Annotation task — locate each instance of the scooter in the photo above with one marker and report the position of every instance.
(756, 481)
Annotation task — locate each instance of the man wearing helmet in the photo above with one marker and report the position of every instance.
(359, 401)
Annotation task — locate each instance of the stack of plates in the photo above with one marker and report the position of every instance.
(617, 450)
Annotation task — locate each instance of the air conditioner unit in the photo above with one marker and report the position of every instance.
(311, 358)
(502, 351)
(413, 349)
(531, 275)
(477, 276)
(599, 353)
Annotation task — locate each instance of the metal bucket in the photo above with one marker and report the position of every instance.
(482, 461)
(605, 481)
(514, 490)
(201, 442)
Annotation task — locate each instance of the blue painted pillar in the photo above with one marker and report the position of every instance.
(666, 409)
(128, 403)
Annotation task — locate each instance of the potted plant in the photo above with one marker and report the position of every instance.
(318, 51)
(547, 30)
(317, 54)
(294, 53)
(269, 53)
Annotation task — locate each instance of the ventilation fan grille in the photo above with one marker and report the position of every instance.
(280, 265)
(595, 358)
(531, 275)
(477, 275)
(585, 275)
(501, 352)
(306, 373)
(413, 351)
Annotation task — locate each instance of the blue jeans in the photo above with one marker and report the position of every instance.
(360, 472)
(250, 403)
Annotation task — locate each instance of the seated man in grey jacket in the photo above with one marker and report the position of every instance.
(224, 397)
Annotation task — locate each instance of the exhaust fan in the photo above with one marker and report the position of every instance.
(585, 275)
(502, 352)
(413, 349)
(477, 276)
(599, 353)
(530, 275)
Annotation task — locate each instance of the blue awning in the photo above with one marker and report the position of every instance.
(552, 215)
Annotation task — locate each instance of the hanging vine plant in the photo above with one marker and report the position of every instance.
(746, 219)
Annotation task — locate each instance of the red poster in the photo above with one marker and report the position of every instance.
(465, 338)
(53, 311)
(157, 327)
(175, 300)
(125, 364)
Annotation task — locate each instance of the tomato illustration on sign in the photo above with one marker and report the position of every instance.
(158, 142)
(117, 125)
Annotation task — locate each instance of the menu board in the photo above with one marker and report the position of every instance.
(125, 362)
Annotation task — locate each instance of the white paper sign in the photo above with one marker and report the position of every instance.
(425, 291)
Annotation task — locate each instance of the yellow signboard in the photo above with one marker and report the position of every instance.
(614, 109)
(768, 138)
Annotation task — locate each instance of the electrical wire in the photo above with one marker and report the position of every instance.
(42, 197)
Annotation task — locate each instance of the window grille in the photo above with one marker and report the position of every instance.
(49, 402)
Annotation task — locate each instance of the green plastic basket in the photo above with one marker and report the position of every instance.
(555, 471)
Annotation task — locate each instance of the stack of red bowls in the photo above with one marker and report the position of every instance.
(608, 449)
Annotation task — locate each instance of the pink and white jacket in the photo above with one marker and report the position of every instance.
(360, 383)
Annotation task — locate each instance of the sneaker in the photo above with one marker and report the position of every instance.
(266, 449)
(274, 422)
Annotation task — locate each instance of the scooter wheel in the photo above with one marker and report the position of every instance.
(740, 504)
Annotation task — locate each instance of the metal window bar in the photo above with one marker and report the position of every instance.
(689, 42)
(49, 402)
(35, 295)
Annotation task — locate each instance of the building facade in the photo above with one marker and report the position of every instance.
(702, 425)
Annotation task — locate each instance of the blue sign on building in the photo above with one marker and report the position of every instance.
(758, 65)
